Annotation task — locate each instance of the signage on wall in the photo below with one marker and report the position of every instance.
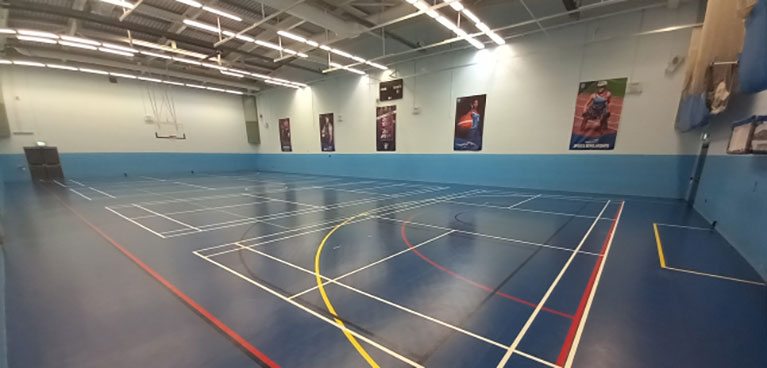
(386, 124)
(327, 133)
(597, 114)
(391, 90)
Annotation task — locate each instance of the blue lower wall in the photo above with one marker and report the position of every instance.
(733, 192)
(664, 176)
(83, 165)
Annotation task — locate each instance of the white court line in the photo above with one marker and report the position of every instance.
(151, 178)
(483, 235)
(582, 325)
(382, 300)
(80, 194)
(529, 210)
(545, 298)
(332, 223)
(101, 192)
(523, 202)
(286, 214)
(314, 313)
(688, 227)
(167, 218)
(282, 200)
(202, 209)
(135, 223)
(374, 263)
(716, 276)
(193, 185)
(76, 182)
(59, 183)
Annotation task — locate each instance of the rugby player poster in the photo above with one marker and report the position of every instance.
(386, 124)
(469, 121)
(327, 133)
(597, 114)
(285, 135)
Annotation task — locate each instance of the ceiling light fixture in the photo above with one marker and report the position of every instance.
(328, 49)
(457, 6)
(36, 39)
(120, 3)
(77, 44)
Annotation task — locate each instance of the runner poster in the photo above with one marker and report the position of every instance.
(327, 133)
(469, 122)
(386, 124)
(285, 135)
(597, 114)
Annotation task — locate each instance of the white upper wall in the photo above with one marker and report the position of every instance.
(531, 86)
(78, 112)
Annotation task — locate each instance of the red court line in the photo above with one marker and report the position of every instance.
(189, 301)
(481, 286)
(562, 359)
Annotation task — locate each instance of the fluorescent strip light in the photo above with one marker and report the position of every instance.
(221, 13)
(326, 48)
(302, 55)
(173, 83)
(81, 40)
(432, 13)
(422, 6)
(77, 44)
(182, 60)
(482, 27)
(213, 66)
(356, 71)
(116, 52)
(27, 32)
(194, 86)
(269, 45)
(191, 3)
(7, 31)
(93, 71)
(62, 67)
(215, 89)
(447, 23)
(496, 38)
(121, 75)
(341, 53)
(470, 15)
(3, 61)
(161, 56)
(292, 36)
(233, 92)
(36, 39)
(231, 74)
(260, 76)
(475, 43)
(456, 5)
(358, 59)
(156, 46)
(118, 47)
(289, 51)
(201, 25)
(28, 63)
(245, 38)
(312, 43)
(375, 65)
(155, 80)
(120, 3)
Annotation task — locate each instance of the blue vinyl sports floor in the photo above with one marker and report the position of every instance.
(269, 269)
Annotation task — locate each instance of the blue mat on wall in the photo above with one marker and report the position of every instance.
(753, 60)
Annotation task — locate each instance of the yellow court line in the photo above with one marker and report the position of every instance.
(660, 246)
(663, 265)
(332, 310)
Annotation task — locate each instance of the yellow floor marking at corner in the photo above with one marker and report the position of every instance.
(332, 310)
(660, 246)
(663, 265)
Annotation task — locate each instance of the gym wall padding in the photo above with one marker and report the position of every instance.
(753, 60)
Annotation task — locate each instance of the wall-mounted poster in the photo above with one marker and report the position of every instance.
(469, 122)
(597, 114)
(386, 124)
(285, 135)
(327, 133)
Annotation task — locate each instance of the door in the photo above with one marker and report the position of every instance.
(700, 162)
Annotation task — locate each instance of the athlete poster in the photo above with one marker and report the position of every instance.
(327, 133)
(285, 135)
(386, 124)
(469, 121)
(597, 114)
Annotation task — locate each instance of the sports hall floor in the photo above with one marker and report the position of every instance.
(269, 269)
